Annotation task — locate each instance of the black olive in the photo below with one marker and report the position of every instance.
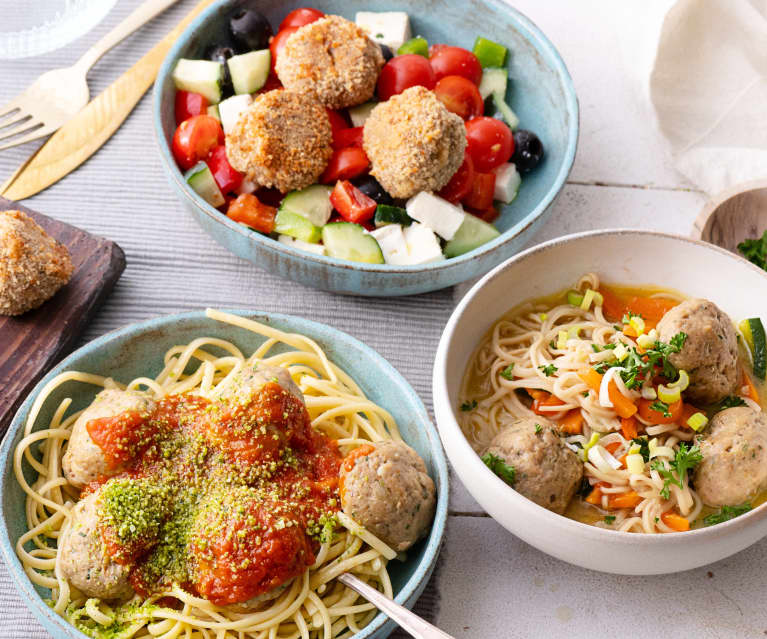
(250, 29)
(528, 150)
(370, 187)
(386, 51)
(222, 54)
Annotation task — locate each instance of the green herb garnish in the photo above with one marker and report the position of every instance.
(549, 369)
(644, 447)
(755, 250)
(505, 471)
(685, 459)
(731, 401)
(507, 373)
(467, 406)
(538, 428)
(609, 519)
(660, 407)
(726, 513)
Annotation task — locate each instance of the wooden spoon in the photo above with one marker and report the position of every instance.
(733, 216)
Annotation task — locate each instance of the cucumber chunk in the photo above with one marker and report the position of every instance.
(202, 182)
(471, 234)
(249, 70)
(387, 214)
(213, 112)
(511, 118)
(489, 53)
(417, 45)
(753, 331)
(493, 80)
(361, 113)
(313, 203)
(347, 241)
(199, 76)
(297, 226)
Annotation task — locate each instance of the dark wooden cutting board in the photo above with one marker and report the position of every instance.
(32, 343)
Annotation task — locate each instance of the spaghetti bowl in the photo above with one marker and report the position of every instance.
(381, 399)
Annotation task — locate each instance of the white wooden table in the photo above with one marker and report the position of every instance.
(488, 583)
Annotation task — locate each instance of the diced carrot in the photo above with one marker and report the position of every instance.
(629, 427)
(676, 522)
(622, 460)
(621, 404)
(752, 392)
(613, 306)
(652, 309)
(611, 448)
(538, 394)
(676, 411)
(688, 411)
(591, 378)
(595, 496)
(572, 423)
(543, 398)
(623, 500)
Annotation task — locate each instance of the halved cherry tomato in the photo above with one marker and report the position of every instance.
(300, 17)
(348, 137)
(351, 203)
(227, 178)
(460, 96)
(489, 142)
(675, 410)
(277, 43)
(489, 215)
(249, 210)
(189, 104)
(194, 138)
(447, 60)
(460, 184)
(403, 72)
(480, 196)
(345, 164)
(272, 83)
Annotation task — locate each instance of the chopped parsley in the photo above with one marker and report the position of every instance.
(627, 317)
(637, 368)
(755, 250)
(685, 459)
(538, 428)
(467, 406)
(549, 369)
(507, 373)
(660, 407)
(727, 512)
(505, 471)
(609, 519)
(731, 401)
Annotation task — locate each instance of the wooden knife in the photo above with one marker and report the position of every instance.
(85, 133)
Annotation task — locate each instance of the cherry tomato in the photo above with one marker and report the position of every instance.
(489, 142)
(348, 137)
(345, 164)
(460, 184)
(249, 210)
(189, 104)
(489, 215)
(352, 204)
(227, 178)
(460, 96)
(337, 123)
(447, 60)
(194, 138)
(403, 72)
(300, 17)
(277, 43)
(272, 83)
(480, 196)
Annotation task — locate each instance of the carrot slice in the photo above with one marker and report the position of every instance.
(676, 522)
(653, 416)
(688, 411)
(621, 404)
(543, 398)
(613, 306)
(624, 500)
(652, 309)
(629, 427)
(572, 423)
(752, 393)
(611, 448)
(595, 496)
(591, 378)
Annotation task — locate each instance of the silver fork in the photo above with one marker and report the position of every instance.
(58, 95)
(409, 621)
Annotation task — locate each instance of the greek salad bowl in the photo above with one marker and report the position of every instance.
(582, 536)
(525, 87)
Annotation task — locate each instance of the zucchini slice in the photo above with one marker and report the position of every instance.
(753, 332)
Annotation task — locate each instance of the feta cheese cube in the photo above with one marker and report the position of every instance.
(229, 110)
(507, 181)
(422, 244)
(391, 28)
(439, 215)
(391, 239)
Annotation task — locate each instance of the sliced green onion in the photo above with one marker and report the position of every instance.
(588, 297)
(635, 463)
(572, 332)
(669, 394)
(562, 339)
(599, 299)
(637, 323)
(647, 340)
(574, 298)
(648, 392)
(634, 449)
(591, 443)
(682, 382)
(697, 421)
(620, 352)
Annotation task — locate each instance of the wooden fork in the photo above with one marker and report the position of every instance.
(58, 95)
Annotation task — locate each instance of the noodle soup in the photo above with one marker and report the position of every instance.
(648, 391)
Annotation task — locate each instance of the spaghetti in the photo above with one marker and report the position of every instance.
(309, 606)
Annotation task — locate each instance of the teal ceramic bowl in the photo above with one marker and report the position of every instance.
(540, 92)
(138, 350)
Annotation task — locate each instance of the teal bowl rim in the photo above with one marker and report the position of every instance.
(61, 629)
(528, 29)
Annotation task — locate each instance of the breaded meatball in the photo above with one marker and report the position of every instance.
(282, 140)
(84, 461)
(710, 352)
(734, 450)
(33, 266)
(251, 378)
(333, 60)
(414, 143)
(547, 471)
(83, 559)
(387, 491)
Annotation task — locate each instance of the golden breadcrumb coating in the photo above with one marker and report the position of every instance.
(282, 140)
(332, 59)
(33, 266)
(414, 143)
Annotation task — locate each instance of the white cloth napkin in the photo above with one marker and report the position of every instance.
(707, 85)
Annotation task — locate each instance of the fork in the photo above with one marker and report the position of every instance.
(58, 95)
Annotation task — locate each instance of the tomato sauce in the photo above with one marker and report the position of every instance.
(224, 497)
